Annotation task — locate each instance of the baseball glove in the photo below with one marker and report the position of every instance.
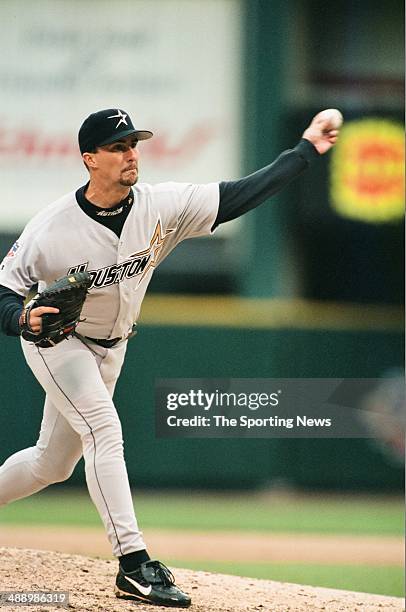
(68, 294)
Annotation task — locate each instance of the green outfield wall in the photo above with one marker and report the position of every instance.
(221, 351)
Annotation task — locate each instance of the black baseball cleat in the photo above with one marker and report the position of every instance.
(152, 582)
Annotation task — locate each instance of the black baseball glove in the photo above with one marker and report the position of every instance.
(68, 294)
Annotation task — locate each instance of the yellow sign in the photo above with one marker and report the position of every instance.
(367, 171)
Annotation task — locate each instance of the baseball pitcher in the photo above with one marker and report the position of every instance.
(103, 242)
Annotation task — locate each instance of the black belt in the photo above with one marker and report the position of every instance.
(113, 341)
(104, 343)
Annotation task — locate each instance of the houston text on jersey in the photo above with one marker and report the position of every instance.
(137, 264)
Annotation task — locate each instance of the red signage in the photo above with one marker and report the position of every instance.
(367, 171)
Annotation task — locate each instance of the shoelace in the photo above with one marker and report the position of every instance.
(162, 572)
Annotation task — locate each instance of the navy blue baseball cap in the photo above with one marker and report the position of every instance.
(106, 126)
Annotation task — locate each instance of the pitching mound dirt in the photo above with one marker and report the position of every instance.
(90, 585)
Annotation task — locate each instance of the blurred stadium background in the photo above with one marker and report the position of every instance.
(312, 281)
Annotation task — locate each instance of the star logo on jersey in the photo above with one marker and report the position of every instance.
(122, 117)
(155, 246)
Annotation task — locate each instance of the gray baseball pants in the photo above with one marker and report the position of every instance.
(79, 417)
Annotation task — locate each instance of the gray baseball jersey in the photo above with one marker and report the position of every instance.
(62, 239)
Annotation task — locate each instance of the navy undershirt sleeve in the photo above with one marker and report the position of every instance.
(11, 306)
(240, 196)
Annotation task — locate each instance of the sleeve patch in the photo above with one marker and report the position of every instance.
(13, 249)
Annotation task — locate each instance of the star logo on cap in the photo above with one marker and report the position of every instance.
(121, 116)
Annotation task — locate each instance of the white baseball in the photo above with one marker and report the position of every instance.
(333, 116)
